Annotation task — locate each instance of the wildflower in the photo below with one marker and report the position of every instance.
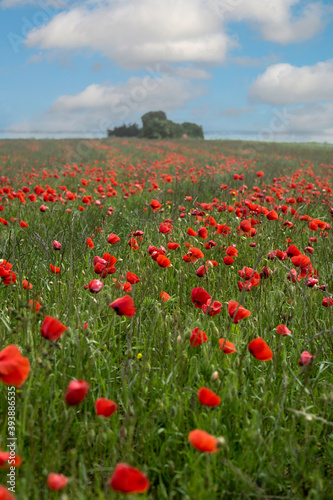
(52, 329)
(203, 441)
(208, 398)
(260, 350)
(14, 368)
(76, 392)
(127, 479)
(124, 306)
(105, 407)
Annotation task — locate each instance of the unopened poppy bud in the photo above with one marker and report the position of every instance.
(179, 339)
(188, 335)
(130, 354)
(91, 437)
(215, 376)
(220, 442)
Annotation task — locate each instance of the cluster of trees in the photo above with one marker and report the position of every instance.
(155, 125)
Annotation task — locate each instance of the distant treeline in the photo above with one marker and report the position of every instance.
(155, 125)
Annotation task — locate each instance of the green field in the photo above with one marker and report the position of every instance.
(275, 416)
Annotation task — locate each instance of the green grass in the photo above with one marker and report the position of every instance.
(276, 417)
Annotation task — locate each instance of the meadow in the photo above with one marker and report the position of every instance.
(172, 303)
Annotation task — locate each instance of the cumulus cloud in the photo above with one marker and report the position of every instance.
(284, 84)
(102, 106)
(138, 32)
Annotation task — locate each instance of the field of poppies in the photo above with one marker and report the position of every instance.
(166, 320)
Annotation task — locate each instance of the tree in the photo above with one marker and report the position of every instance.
(131, 130)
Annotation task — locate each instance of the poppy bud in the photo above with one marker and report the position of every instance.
(215, 376)
(76, 392)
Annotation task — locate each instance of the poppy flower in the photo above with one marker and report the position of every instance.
(124, 306)
(56, 245)
(54, 269)
(155, 205)
(203, 441)
(132, 278)
(198, 337)
(163, 261)
(52, 328)
(173, 246)
(212, 308)
(165, 296)
(113, 239)
(133, 244)
(56, 482)
(245, 226)
(201, 271)
(24, 224)
(272, 215)
(260, 350)
(34, 305)
(306, 358)
(232, 251)
(248, 273)
(226, 346)
(194, 254)
(14, 368)
(5, 494)
(202, 233)
(95, 286)
(212, 263)
(208, 398)
(303, 263)
(228, 261)
(127, 479)
(293, 276)
(241, 312)
(327, 302)
(26, 285)
(283, 330)
(76, 392)
(90, 243)
(312, 282)
(199, 297)
(5, 456)
(105, 407)
(191, 232)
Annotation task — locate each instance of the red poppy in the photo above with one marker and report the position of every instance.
(76, 392)
(208, 398)
(226, 346)
(199, 297)
(203, 441)
(232, 251)
(163, 261)
(133, 244)
(90, 243)
(56, 245)
(272, 215)
(14, 368)
(260, 349)
(248, 273)
(306, 358)
(113, 239)
(127, 479)
(165, 296)
(239, 314)
(245, 226)
(212, 308)
(202, 233)
(7, 460)
(198, 337)
(283, 330)
(212, 263)
(155, 205)
(56, 482)
(191, 232)
(105, 407)
(132, 278)
(303, 263)
(26, 285)
(54, 269)
(173, 246)
(34, 305)
(228, 261)
(327, 302)
(4, 494)
(24, 224)
(124, 306)
(201, 271)
(95, 286)
(52, 328)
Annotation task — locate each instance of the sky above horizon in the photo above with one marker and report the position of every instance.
(248, 69)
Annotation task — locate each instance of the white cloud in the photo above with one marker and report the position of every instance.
(286, 84)
(102, 106)
(135, 33)
(138, 32)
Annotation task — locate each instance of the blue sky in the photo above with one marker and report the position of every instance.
(259, 69)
